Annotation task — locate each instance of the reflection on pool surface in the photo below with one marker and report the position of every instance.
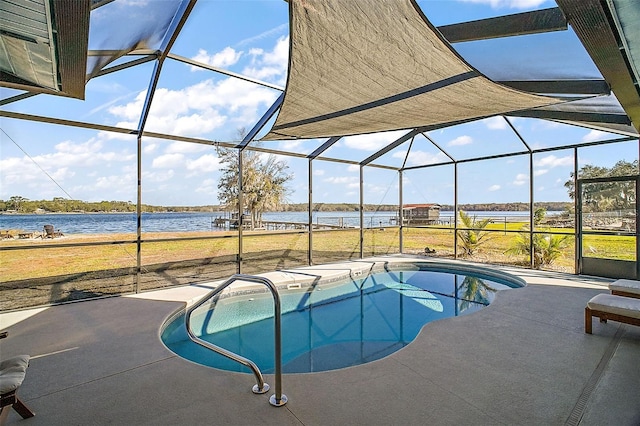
(332, 325)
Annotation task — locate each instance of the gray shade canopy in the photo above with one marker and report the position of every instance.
(357, 66)
(374, 65)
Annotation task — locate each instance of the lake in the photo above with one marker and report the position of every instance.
(106, 223)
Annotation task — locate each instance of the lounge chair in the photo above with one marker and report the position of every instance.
(612, 307)
(50, 232)
(12, 372)
(628, 288)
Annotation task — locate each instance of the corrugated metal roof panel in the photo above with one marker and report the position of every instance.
(27, 49)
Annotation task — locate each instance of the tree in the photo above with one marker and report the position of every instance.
(16, 202)
(264, 181)
(606, 196)
(474, 236)
(546, 247)
(539, 215)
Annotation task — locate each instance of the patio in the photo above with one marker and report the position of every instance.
(523, 360)
(476, 102)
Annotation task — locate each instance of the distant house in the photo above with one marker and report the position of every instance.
(421, 213)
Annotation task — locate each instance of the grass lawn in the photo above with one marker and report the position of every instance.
(213, 255)
(50, 260)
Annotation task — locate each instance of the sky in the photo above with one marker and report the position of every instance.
(43, 161)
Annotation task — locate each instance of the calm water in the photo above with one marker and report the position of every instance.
(332, 326)
(104, 223)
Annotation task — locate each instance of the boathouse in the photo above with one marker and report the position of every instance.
(421, 213)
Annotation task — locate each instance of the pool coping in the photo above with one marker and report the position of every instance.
(329, 273)
(302, 280)
(524, 359)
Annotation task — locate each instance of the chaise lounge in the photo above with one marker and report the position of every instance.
(12, 372)
(628, 288)
(612, 307)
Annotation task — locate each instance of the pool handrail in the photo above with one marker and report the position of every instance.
(278, 399)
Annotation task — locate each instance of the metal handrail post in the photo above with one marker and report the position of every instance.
(278, 399)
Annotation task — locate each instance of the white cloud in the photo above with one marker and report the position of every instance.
(62, 174)
(131, 110)
(340, 179)
(318, 172)
(270, 65)
(495, 123)
(168, 161)
(376, 189)
(510, 4)
(149, 148)
(185, 148)
(345, 181)
(460, 140)
(69, 147)
(208, 186)
(225, 58)
(280, 53)
(493, 188)
(155, 177)
(204, 164)
(292, 145)
(521, 179)
(353, 168)
(120, 183)
(54, 174)
(551, 161)
(421, 158)
(195, 124)
(373, 141)
(198, 109)
(237, 95)
(594, 135)
(74, 155)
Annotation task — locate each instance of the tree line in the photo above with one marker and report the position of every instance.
(265, 180)
(17, 204)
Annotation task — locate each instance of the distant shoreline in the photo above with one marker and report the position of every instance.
(71, 213)
(18, 205)
(219, 212)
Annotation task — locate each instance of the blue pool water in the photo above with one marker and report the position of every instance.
(334, 325)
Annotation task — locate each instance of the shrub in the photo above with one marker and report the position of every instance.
(474, 236)
(546, 247)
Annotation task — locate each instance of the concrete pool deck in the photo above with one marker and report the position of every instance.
(523, 360)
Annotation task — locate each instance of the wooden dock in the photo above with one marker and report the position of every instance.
(271, 225)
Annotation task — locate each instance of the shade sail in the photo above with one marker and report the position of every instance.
(367, 66)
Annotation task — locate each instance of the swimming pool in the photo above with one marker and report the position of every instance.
(331, 325)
